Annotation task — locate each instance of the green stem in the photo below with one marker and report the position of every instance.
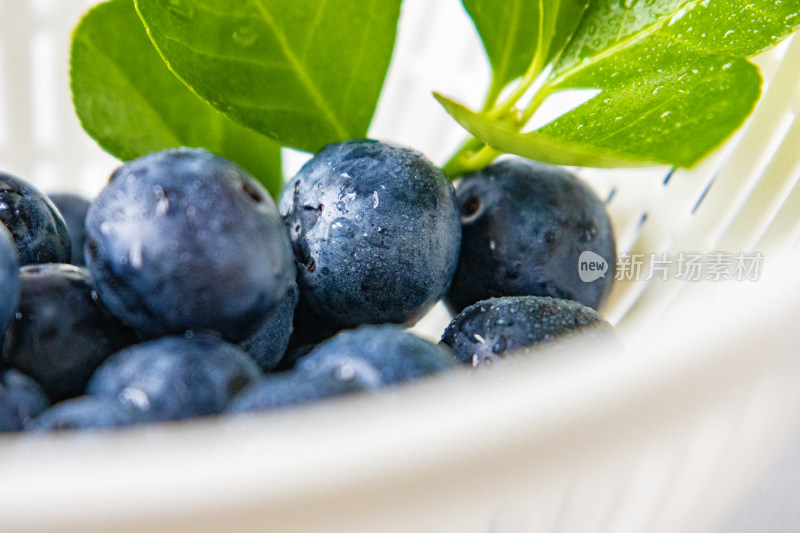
(475, 154)
(492, 96)
(472, 161)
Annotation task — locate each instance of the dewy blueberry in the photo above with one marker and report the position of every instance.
(184, 240)
(61, 333)
(9, 280)
(493, 328)
(73, 208)
(375, 232)
(525, 226)
(378, 356)
(34, 222)
(174, 378)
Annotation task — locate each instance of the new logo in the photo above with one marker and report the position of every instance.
(591, 267)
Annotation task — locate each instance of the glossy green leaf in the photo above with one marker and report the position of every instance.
(304, 72)
(672, 75)
(732, 27)
(131, 104)
(536, 145)
(670, 104)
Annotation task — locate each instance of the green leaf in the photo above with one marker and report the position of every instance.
(673, 77)
(304, 72)
(732, 27)
(536, 145)
(669, 104)
(131, 104)
(510, 33)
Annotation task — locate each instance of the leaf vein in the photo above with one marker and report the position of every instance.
(233, 59)
(301, 70)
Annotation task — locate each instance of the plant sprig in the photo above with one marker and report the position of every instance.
(671, 79)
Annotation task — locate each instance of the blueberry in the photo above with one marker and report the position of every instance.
(375, 233)
(176, 377)
(294, 388)
(82, 413)
(525, 226)
(21, 399)
(493, 328)
(9, 280)
(268, 344)
(376, 356)
(73, 208)
(184, 240)
(35, 224)
(61, 333)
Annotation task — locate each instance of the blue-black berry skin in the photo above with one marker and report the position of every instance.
(377, 356)
(83, 413)
(21, 399)
(61, 332)
(375, 232)
(73, 209)
(184, 240)
(294, 388)
(37, 227)
(525, 226)
(176, 377)
(267, 345)
(9, 280)
(493, 328)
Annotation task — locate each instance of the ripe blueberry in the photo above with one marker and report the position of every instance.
(83, 413)
(375, 233)
(267, 345)
(61, 333)
(9, 280)
(293, 388)
(377, 356)
(34, 222)
(493, 328)
(184, 240)
(21, 399)
(73, 208)
(525, 226)
(173, 378)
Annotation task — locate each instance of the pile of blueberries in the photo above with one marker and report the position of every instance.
(183, 291)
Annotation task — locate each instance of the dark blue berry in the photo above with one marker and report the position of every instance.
(174, 378)
(268, 344)
(184, 240)
(496, 327)
(294, 388)
(73, 208)
(9, 280)
(35, 224)
(525, 226)
(61, 333)
(21, 399)
(84, 413)
(375, 233)
(376, 356)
